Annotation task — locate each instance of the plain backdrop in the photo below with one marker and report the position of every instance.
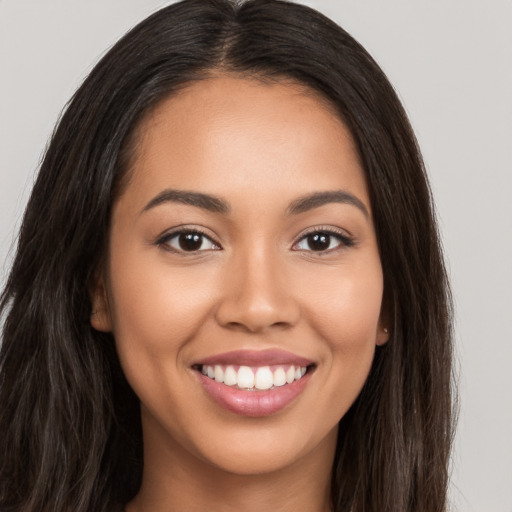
(451, 62)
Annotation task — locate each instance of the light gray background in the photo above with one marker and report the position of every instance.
(450, 60)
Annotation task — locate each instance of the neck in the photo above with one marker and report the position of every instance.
(176, 480)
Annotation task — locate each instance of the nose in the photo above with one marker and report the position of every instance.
(257, 294)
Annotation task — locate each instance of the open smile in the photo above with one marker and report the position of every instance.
(254, 378)
(254, 383)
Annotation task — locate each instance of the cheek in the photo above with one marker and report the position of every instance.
(156, 310)
(344, 308)
(152, 301)
(346, 315)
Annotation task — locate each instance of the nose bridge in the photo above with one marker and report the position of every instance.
(256, 295)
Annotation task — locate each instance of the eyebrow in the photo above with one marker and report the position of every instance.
(217, 205)
(204, 201)
(317, 199)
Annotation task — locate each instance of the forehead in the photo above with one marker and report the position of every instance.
(248, 134)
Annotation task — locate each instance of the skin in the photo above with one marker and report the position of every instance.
(256, 285)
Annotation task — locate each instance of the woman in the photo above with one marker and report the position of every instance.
(228, 289)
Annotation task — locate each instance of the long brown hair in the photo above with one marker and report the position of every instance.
(70, 433)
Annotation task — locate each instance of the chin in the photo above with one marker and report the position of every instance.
(265, 449)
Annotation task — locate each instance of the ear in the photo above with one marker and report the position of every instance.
(384, 326)
(382, 335)
(100, 315)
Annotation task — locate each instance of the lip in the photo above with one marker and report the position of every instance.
(254, 403)
(255, 358)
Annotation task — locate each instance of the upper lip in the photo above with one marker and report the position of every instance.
(254, 358)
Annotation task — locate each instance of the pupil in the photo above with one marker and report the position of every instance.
(319, 241)
(190, 241)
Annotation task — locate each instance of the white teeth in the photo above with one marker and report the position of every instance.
(279, 377)
(230, 377)
(245, 377)
(264, 378)
(261, 378)
(219, 373)
(290, 374)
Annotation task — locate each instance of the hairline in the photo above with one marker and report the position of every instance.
(130, 148)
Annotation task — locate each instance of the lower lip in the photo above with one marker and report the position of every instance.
(254, 403)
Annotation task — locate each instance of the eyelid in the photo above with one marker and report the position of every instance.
(163, 239)
(346, 240)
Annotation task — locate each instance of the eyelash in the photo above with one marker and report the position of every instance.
(165, 239)
(344, 240)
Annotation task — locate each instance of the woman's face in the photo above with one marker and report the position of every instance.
(243, 248)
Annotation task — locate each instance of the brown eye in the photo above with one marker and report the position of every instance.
(319, 241)
(188, 241)
(323, 241)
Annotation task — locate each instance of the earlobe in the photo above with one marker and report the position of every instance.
(100, 314)
(382, 336)
(385, 323)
